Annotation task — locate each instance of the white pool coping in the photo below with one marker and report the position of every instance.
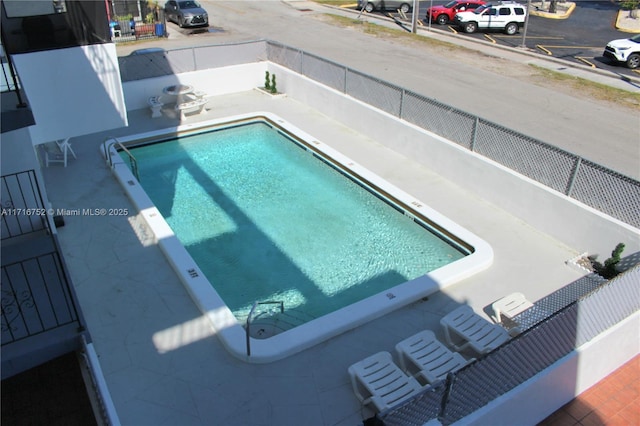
(230, 331)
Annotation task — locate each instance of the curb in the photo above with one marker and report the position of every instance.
(620, 27)
(554, 15)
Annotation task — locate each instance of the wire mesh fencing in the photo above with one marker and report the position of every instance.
(326, 72)
(562, 171)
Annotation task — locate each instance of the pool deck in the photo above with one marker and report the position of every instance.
(161, 360)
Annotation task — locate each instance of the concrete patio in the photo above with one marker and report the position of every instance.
(161, 359)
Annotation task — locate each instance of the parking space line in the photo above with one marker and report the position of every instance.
(541, 47)
(546, 48)
(452, 29)
(532, 38)
(583, 59)
(572, 47)
(491, 39)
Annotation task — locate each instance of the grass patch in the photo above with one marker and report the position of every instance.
(591, 88)
(390, 33)
(338, 2)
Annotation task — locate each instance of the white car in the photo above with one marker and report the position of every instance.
(507, 16)
(624, 50)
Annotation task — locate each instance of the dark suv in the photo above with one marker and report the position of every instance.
(442, 14)
(187, 13)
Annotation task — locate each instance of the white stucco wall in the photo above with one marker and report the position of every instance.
(568, 377)
(214, 82)
(17, 153)
(73, 91)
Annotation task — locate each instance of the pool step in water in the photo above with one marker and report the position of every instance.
(271, 324)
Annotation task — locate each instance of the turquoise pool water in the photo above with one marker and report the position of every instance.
(267, 220)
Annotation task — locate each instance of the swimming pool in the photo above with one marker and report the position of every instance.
(368, 250)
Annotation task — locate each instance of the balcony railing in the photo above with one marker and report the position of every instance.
(23, 210)
(36, 296)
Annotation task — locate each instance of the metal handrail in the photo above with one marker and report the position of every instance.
(133, 163)
(253, 308)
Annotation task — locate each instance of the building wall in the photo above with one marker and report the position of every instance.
(17, 152)
(72, 91)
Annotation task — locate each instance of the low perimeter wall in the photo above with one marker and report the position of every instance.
(212, 81)
(571, 375)
(571, 222)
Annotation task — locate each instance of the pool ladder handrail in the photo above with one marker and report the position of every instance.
(251, 312)
(133, 163)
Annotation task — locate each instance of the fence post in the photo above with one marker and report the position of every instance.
(445, 396)
(346, 75)
(300, 70)
(402, 92)
(474, 132)
(572, 179)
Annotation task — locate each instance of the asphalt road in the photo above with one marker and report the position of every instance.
(578, 39)
(597, 131)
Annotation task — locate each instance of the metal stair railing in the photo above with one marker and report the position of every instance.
(251, 312)
(133, 163)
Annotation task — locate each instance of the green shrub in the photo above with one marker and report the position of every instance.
(608, 270)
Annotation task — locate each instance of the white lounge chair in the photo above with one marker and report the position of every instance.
(427, 359)
(58, 152)
(510, 306)
(477, 333)
(507, 308)
(379, 381)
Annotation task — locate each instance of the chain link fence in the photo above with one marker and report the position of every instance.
(589, 183)
(567, 173)
(178, 61)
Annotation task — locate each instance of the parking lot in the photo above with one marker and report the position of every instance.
(580, 37)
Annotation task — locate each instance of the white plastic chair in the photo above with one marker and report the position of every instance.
(510, 306)
(377, 380)
(59, 155)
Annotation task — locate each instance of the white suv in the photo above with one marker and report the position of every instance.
(507, 16)
(625, 50)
